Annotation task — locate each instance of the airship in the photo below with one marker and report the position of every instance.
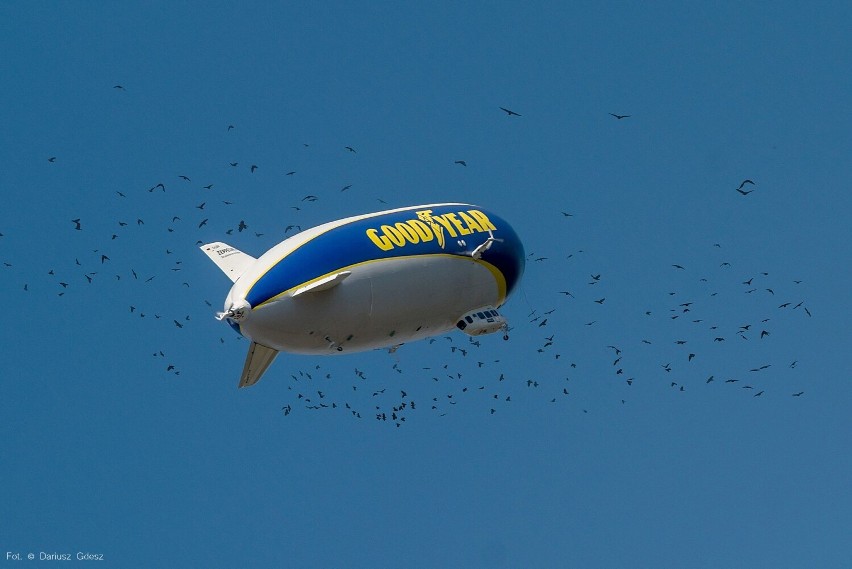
(371, 281)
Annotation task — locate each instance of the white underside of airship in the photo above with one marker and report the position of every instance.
(401, 299)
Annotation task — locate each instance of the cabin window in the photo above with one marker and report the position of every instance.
(461, 324)
(480, 315)
(469, 319)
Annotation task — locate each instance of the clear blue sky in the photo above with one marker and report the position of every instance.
(107, 450)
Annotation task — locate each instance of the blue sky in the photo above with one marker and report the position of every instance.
(107, 450)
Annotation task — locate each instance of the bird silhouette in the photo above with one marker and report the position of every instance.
(619, 117)
(509, 112)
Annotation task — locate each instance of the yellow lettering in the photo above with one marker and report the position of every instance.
(421, 229)
(381, 241)
(462, 230)
(410, 235)
(470, 222)
(446, 224)
(425, 215)
(483, 220)
(394, 235)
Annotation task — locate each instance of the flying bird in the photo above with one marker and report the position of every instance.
(509, 112)
(619, 117)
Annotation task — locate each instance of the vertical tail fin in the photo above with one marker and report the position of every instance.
(231, 260)
(257, 360)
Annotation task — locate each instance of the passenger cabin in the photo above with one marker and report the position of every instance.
(481, 321)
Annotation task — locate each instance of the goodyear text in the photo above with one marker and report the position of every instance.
(428, 226)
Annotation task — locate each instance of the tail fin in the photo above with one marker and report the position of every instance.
(257, 360)
(231, 260)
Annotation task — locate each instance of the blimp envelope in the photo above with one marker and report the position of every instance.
(371, 281)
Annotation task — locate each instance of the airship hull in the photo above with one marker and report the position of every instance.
(383, 303)
(370, 281)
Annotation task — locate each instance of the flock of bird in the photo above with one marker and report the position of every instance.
(685, 352)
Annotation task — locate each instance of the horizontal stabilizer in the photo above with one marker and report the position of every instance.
(231, 260)
(323, 284)
(258, 359)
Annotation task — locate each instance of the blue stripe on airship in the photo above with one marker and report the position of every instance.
(454, 229)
